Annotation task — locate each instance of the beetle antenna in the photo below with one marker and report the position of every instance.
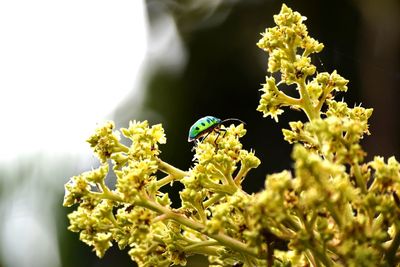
(233, 119)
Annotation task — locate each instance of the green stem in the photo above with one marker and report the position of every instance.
(335, 215)
(321, 256)
(391, 251)
(166, 180)
(307, 106)
(160, 218)
(311, 259)
(103, 187)
(201, 247)
(204, 251)
(359, 179)
(108, 195)
(121, 148)
(216, 197)
(248, 261)
(309, 139)
(292, 223)
(200, 210)
(314, 248)
(284, 98)
(169, 169)
(325, 93)
(231, 182)
(111, 217)
(223, 239)
(226, 177)
(291, 52)
(241, 174)
(200, 244)
(288, 100)
(219, 188)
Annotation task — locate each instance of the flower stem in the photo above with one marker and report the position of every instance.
(307, 106)
(169, 169)
(325, 93)
(391, 251)
(215, 198)
(241, 174)
(223, 239)
(359, 179)
(108, 195)
(199, 244)
(166, 180)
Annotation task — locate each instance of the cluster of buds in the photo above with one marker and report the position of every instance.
(332, 209)
(335, 208)
(133, 212)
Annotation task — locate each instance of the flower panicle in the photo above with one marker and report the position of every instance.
(332, 208)
(133, 211)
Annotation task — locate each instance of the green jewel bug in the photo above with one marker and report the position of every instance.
(206, 125)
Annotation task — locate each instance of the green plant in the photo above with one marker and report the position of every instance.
(332, 209)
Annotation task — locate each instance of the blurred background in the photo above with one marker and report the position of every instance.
(67, 66)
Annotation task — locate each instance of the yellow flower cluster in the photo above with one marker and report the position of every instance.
(332, 209)
(138, 215)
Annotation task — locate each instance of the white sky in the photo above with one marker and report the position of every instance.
(64, 66)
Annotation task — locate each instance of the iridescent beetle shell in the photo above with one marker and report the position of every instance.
(202, 127)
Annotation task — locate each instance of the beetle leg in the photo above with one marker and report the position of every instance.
(202, 139)
(218, 133)
(216, 138)
(224, 132)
